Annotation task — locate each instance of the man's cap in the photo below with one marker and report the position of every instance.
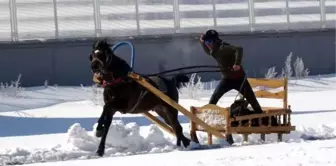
(210, 35)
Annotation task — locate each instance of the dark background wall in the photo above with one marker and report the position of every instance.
(66, 62)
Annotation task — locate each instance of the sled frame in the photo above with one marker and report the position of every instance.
(282, 114)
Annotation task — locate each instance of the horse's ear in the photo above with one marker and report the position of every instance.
(95, 44)
(104, 41)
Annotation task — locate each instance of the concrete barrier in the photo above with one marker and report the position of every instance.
(66, 62)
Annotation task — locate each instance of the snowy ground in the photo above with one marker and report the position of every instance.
(53, 126)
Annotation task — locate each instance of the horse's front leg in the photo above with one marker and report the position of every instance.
(100, 127)
(107, 100)
(109, 113)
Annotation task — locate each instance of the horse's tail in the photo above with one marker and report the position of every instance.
(179, 79)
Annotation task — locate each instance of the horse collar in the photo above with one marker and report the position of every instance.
(111, 83)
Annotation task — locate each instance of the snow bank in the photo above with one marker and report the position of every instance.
(81, 144)
(124, 140)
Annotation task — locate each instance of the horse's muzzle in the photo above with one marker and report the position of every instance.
(96, 66)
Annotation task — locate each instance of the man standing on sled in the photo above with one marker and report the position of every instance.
(229, 59)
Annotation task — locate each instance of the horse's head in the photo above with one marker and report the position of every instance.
(101, 56)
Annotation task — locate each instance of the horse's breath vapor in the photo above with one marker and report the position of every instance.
(184, 48)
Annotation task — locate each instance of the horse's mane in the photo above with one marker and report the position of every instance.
(119, 64)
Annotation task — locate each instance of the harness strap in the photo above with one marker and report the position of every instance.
(143, 93)
(141, 96)
(119, 80)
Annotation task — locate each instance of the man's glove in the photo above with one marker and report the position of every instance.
(97, 78)
(201, 38)
(236, 67)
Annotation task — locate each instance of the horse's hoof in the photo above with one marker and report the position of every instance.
(186, 143)
(100, 153)
(178, 142)
(99, 133)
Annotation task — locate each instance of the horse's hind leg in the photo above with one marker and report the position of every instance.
(172, 115)
(163, 114)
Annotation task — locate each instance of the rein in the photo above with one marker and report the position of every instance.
(165, 73)
(119, 79)
(181, 68)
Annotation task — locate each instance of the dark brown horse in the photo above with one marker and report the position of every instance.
(126, 96)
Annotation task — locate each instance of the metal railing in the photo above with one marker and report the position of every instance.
(55, 19)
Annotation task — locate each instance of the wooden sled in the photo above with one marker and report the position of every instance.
(219, 118)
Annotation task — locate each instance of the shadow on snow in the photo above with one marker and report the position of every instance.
(23, 126)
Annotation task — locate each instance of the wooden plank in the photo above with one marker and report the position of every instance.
(263, 129)
(254, 116)
(215, 108)
(256, 130)
(159, 123)
(171, 102)
(270, 83)
(218, 127)
(271, 109)
(211, 106)
(267, 94)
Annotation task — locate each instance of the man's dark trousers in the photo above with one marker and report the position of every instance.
(240, 85)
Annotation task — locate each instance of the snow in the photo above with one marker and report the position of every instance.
(77, 19)
(212, 118)
(55, 126)
(320, 153)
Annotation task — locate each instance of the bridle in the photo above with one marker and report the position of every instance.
(102, 71)
(103, 64)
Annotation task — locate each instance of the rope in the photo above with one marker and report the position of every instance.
(199, 71)
(182, 68)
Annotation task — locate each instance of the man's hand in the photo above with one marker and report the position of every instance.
(236, 67)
